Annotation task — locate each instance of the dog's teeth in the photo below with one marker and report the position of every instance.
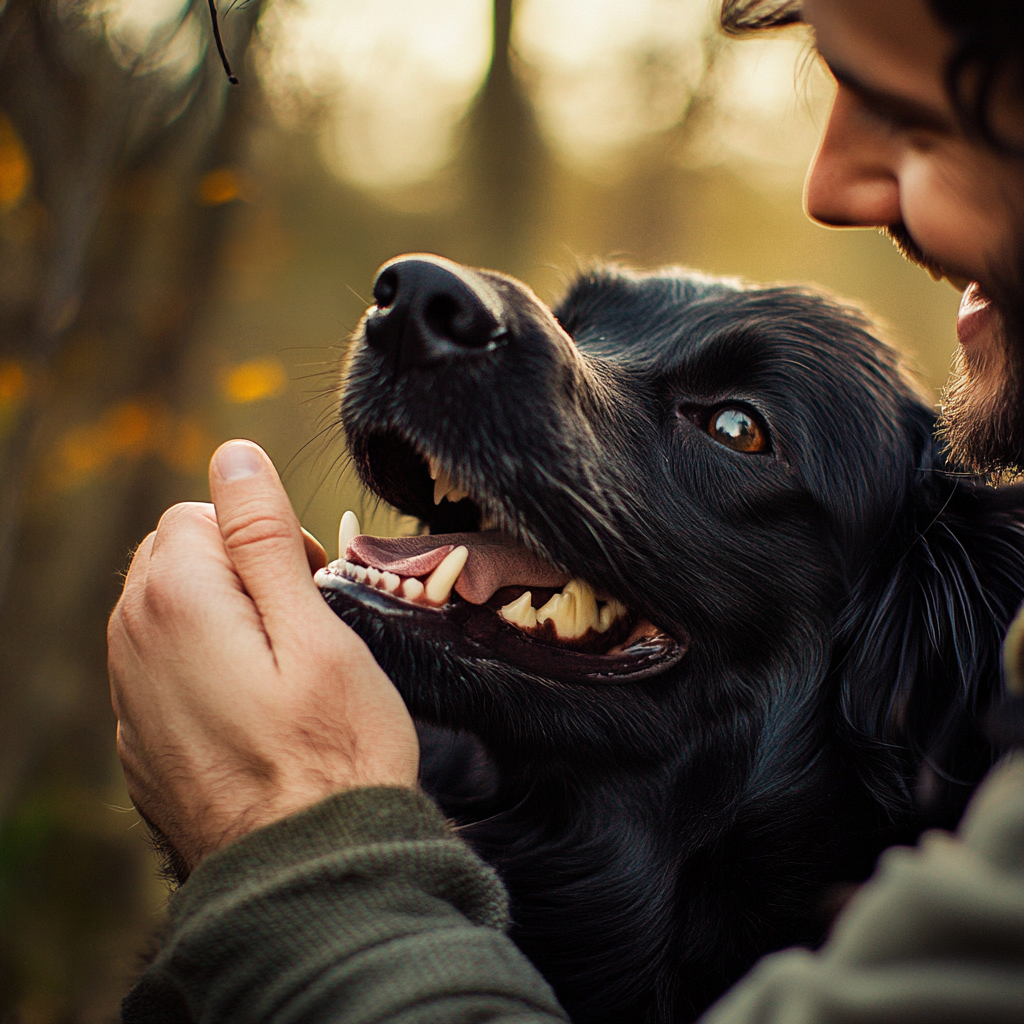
(435, 467)
(445, 488)
(520, 612)
(391, 581)
(373, 576)
(611, 612)
(348, 530)
(442, 486)
(586, 606)
(442, 579)
(412, 588)
(561, 612)
(359, 573)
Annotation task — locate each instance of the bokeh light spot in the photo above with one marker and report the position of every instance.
(188, 446)
(254, 381)
(603, 74)
(770, 100)
(15, 167)
(220, 186)
(164, 36)
(13, 381)
(128, 427)
(386, 83)
(129, 431)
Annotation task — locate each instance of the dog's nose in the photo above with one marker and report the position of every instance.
(430, 309)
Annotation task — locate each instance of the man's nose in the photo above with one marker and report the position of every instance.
(853, 179)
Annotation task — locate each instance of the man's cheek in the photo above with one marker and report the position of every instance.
(942, 216)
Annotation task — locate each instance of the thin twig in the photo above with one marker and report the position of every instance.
(232, 77)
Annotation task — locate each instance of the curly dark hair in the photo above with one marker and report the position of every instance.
(989, 45)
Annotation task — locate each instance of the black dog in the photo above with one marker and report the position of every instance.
(760, 611)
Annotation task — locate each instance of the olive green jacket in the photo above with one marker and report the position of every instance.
(368, 907)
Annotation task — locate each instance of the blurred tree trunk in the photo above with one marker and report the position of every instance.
(506, 156)
(106, 264)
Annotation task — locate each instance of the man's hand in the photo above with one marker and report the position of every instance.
(240, 696)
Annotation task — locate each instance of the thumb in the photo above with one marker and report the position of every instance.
(262, 534)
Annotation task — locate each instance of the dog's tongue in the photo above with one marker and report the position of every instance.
(495, 561)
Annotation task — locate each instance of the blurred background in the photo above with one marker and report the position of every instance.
(182, 261)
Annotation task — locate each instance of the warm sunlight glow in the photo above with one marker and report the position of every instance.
(389, 81)
(604, 73)
(771, 99)
(152, 35)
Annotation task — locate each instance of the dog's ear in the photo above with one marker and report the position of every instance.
(918, 654)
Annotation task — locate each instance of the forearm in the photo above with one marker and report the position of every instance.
(364, 908)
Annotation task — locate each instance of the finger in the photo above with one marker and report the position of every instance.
(140, 561)
(261, 534)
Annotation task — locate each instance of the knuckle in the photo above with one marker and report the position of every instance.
(183, 514)
(252, 527)
(160, 599)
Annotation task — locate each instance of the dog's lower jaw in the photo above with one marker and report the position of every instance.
(478, 633)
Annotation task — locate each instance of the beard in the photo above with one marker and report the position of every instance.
(981, 421)
(982, 411)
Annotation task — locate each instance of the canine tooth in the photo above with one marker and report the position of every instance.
(520, 612)
(610, 612)
(373, 576)
(441, 487)
(435, 467)
(392, 581)
(412, 588)
(561, 612)
(442, 579)
(348, 529)
(445, 488)
(586, 606)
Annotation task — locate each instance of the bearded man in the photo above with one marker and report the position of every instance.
(355, 903)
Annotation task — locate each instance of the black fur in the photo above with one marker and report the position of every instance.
(842, 596)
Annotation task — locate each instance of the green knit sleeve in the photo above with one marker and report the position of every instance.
(936, 937)
(363, 908)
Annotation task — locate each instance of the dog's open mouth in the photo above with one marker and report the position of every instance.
(486, 590)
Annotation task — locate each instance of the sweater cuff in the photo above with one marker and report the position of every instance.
(344, 822)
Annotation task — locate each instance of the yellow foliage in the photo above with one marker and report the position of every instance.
(220, 186)
(130, 430)
(12, 381)
(187, 446)
(15, 166)
(254, 380)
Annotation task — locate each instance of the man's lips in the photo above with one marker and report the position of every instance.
(977, 315)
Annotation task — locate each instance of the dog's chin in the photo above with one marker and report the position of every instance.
(486, 593)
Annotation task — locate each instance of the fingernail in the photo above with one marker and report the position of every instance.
(238, 460)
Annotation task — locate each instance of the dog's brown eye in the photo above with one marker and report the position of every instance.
(738, 429)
